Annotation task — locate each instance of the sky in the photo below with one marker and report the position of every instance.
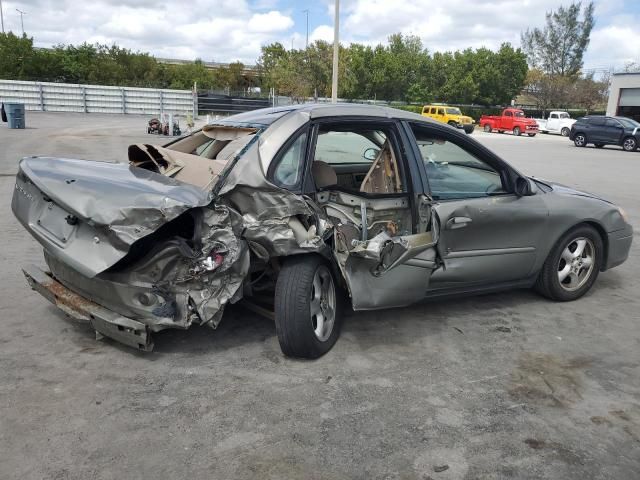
(230, 30)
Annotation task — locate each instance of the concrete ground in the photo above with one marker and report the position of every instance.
(508, 385)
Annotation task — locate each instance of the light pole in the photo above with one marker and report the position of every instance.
(21, 20)
(307, 13)
(336, 48)
(1, 17)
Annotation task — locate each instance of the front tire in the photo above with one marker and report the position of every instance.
(516, 131)
(565, 132)
(531, 134)
(580, 140)
(307, 307)
(572, 266)
(629, 144)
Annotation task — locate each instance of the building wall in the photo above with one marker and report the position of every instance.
(618, 82)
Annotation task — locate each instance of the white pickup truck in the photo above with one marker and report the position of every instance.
(558, 122)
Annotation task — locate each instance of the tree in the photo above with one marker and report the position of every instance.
(558, 48)
(588, 93)
(632, 67)
(548, 90)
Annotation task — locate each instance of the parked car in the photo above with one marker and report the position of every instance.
(601, 130)
(449, 115)
(511, 120)
(298, 205)
(558, 122)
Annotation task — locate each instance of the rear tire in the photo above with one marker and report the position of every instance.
(307, 307)
(629, 144)
(565, 132)
(580, 140)
(516, 131)
(572, 265)
(487, 128)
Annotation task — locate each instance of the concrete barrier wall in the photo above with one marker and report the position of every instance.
(66, 97)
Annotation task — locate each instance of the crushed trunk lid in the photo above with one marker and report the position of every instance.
(89, 213)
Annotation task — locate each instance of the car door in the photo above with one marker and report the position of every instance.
(488, 235)
(553, 122)
(507, 121)
(613, 131)
(361, 175)
(596, 132)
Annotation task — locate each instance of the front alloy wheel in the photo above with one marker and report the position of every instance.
(572, 266)
(629, 144)
(307, 307)
(576, 264)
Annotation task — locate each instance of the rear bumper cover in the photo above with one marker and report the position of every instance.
(105, 322)
(619, 246)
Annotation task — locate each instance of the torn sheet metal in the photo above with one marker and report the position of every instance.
(173, 285)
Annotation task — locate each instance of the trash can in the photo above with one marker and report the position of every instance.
(15, 114)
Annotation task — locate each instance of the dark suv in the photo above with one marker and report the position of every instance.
(601, 131)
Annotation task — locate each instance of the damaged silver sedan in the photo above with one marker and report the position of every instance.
(294, 209)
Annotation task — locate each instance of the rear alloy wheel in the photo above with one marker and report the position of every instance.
(629, 144)
(487, 128)
(307, 307)
(572, 266)
(599, 145)
(565, 132)
(580, 140)
(516, 131)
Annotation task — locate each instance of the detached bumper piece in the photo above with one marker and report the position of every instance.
(105, 322)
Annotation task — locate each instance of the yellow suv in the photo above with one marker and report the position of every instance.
(451, 115)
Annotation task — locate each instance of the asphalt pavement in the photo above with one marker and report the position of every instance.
(507, 385)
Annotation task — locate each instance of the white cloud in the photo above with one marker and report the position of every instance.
(322, 32)
(273, 21)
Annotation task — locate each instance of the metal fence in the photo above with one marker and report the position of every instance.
(209, 102)
(66, 97)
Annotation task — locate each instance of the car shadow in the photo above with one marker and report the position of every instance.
(503, 312)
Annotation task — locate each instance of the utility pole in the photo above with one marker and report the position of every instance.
(1, 16)
(307, 12)
(21, 20)
(336, 49)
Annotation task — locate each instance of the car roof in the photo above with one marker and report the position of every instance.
(266, 116)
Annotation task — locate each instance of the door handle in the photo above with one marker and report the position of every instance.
(457, 222)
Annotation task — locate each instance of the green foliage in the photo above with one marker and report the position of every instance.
(558, 48)
(109, 65)
(403, 70)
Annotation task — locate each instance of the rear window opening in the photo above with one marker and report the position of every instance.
(197, 159)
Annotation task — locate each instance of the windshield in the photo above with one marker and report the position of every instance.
(518, 114)
(564, 115)
(628, 122)
(454, 111)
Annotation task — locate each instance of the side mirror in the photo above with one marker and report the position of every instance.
(524, 187)
(371, 153)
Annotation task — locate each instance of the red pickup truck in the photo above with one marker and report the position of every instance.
(511, 120)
